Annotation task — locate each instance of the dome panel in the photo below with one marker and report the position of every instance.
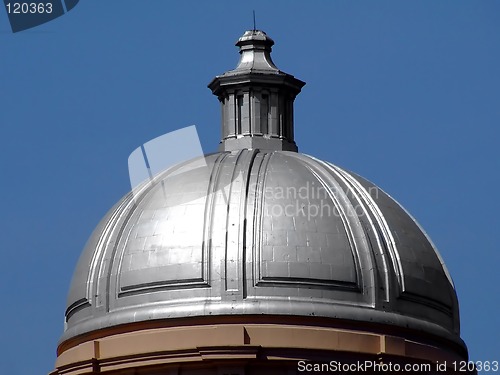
(165, 238)
(315, 250)
(420, 272)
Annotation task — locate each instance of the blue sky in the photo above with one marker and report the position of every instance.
(404, 93)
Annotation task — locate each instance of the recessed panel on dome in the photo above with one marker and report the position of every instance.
(163, 239)
(305, 239)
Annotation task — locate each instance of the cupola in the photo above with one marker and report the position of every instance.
(256, 99)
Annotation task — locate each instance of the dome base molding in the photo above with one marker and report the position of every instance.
(222, 345)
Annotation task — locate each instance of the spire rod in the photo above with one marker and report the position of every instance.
(254, 27)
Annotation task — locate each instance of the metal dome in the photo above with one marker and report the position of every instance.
(261, 232)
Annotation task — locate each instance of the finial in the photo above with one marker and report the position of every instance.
(254, 27)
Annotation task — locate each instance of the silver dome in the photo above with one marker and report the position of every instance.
(261, 232)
